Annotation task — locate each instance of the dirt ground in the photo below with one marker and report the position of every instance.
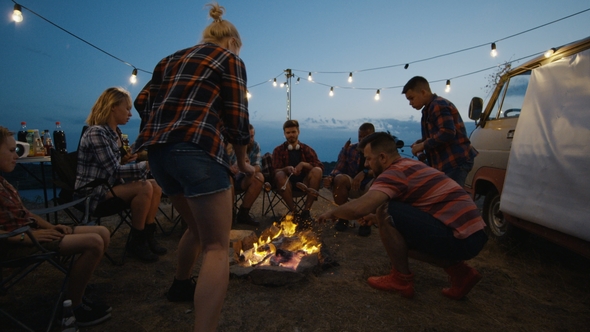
(530, 286)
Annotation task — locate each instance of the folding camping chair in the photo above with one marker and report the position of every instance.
(13, 270)
(65, 167)
(270, 195)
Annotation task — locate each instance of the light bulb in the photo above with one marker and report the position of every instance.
(494, 53)
(331, 91)
(406, 66)
(283, 84)
(133, 78)
(274, 83)
(448, 88)
(297, 82)
(350, 78)
(550, 52)
(309, 76)
(377, 97)
(17, 14)
(248, 95)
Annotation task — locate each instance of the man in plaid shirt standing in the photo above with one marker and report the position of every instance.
(444, 139)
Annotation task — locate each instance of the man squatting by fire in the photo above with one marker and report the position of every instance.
(421, 213)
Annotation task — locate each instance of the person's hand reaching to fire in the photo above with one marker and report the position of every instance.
(325, 216)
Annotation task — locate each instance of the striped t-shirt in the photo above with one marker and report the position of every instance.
(412, 182)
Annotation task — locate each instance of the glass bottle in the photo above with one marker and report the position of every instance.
(47, 142)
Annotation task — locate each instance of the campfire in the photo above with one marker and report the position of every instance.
(280, 255)
(281, 245)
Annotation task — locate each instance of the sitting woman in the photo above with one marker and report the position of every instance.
(88, 242)
(100, 157)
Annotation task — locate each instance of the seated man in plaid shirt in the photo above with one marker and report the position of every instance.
(295, 162)
(350, 177)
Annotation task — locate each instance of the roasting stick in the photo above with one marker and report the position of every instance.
(285, 185)
(312, 191)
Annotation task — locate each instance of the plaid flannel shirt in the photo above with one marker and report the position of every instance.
(253, 155)
(446, 142)
(99, 157)
(348, 161)
(13, 213)
(197, 95)
(280, 156)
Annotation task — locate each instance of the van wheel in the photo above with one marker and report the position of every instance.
(494, 218)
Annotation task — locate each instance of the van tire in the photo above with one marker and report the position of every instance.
(498, 227)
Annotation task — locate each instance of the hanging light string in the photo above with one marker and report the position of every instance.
(82, 39)
(434, 81)
(445, 54)
(135, 69)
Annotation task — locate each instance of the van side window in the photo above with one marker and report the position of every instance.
(511, 97)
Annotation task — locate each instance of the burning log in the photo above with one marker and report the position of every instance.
(281, 255)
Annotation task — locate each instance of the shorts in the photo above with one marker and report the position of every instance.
(426, 234)
(185, 168)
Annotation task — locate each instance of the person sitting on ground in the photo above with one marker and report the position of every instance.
(89, 243)
(250, 184)
(421, 213)
(350, 178)
(295, 162)
(100, 157)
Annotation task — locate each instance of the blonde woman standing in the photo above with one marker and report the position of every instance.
(197, 98)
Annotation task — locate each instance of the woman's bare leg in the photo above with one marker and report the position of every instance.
(211, 217)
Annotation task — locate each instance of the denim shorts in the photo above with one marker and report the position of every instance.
(185, 168)
(426, 234)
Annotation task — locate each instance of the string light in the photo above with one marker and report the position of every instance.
(494, 53)
(331, 91)
(377, 95)
(274, 82)
(18, 17)
(248, 95)
(17, 14)
(133, 78)
(350, 78)
(297, 82)
(448, 88)
(283, 84)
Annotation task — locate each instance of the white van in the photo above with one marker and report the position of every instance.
(533, 139)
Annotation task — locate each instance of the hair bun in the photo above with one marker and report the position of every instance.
(216, 12)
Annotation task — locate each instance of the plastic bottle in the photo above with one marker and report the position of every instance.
(68, 322)
(125, 141)
(59, 139)
(31, 140)
(22, 133)
(47, 142)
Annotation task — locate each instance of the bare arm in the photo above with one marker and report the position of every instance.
(357, 208)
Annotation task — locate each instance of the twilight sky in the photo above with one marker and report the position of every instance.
(48, 75)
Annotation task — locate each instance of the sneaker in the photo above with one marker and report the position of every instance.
(463, 278)
(395, 281)
(182, 290)
(96, 304)
(246, 218)
(341, 225)
(87, 316)
(364, 230)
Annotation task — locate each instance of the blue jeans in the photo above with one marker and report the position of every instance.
(426, 234)
(459, 174)
(185, 168)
